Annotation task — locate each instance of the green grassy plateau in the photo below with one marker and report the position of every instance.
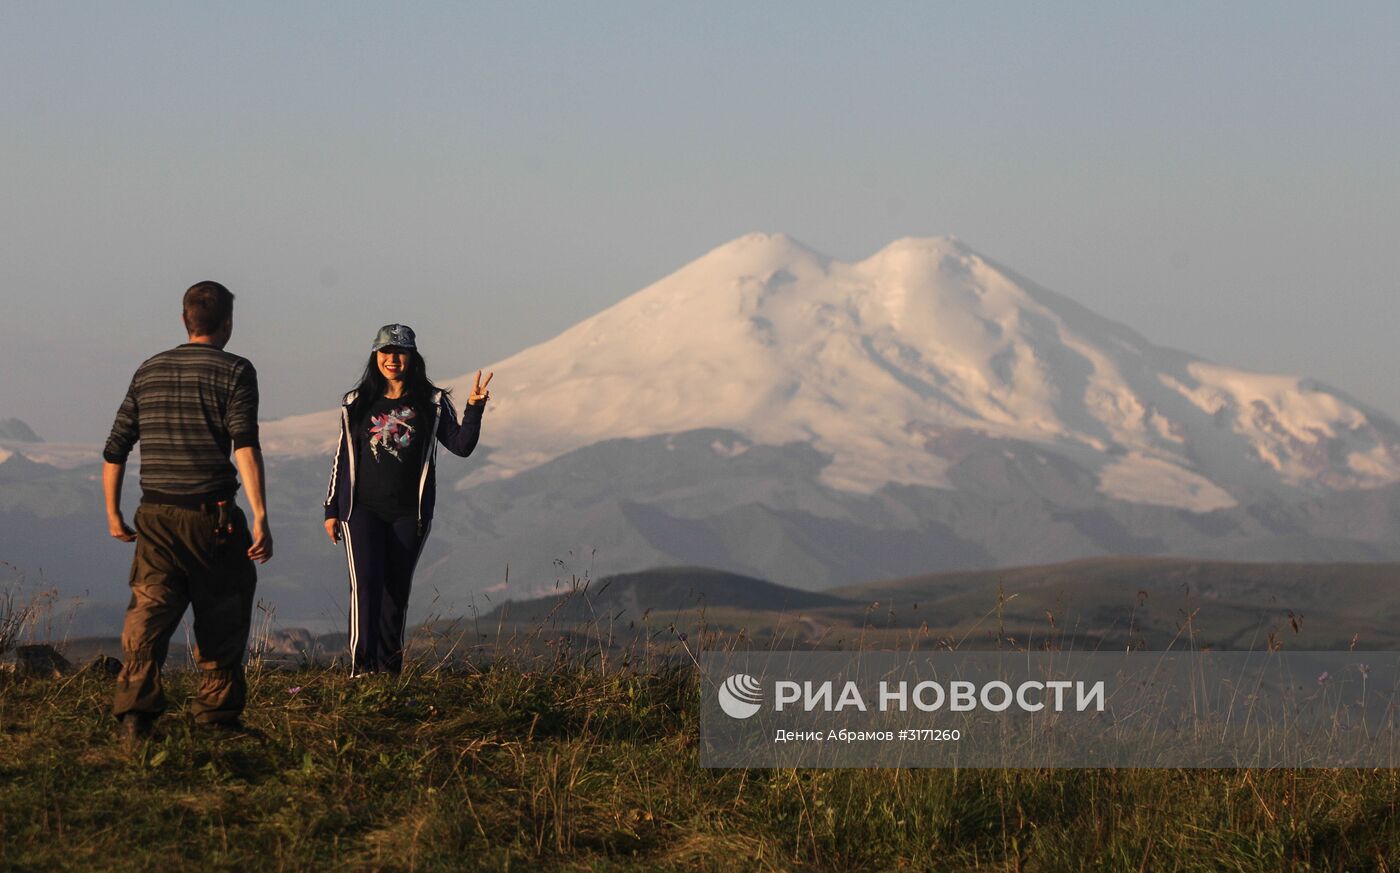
(558, 765)
(562, 734)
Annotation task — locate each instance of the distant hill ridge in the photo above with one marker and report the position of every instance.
(1137, 602)
(1217, 577)
(663, 589)
(14, 430)
(1363, 587)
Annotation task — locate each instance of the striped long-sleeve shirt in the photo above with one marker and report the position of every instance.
(188, 406)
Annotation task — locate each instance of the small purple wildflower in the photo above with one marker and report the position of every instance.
(294, 690)
(1323, 678)
(682, 637)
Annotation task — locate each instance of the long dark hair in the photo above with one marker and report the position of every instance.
(418, 388)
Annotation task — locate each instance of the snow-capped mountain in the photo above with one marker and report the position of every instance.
(770, 411)
(891, 365)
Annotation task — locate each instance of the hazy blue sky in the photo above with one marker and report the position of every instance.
(1223, 177)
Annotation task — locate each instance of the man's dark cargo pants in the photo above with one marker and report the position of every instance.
(182, 560)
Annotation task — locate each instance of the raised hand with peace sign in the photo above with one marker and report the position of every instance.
(479, 393)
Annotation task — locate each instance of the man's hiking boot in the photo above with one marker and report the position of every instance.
(134, 729)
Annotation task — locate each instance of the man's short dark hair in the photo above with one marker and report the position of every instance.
(208, 305)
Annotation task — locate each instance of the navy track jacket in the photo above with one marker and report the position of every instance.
(459, 439)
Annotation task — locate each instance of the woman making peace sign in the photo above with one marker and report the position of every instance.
(383, 486)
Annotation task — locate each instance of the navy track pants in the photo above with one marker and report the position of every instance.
(382, 556)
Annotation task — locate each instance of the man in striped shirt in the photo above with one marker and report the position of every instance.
(188, 407)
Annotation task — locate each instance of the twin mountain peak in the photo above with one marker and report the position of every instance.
(896, 366)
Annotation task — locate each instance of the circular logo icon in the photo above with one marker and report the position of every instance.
(740, 696)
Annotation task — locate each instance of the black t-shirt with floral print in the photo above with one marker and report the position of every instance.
(389, 445)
